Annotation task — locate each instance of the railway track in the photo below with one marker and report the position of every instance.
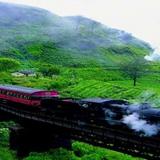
(108, 136)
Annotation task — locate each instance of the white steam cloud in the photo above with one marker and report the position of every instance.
(155, 56)
(140, 125)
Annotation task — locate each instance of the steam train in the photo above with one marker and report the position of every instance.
(115, 124)
(97, 111)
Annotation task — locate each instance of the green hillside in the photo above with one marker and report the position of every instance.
(81, 55)
(32, 34)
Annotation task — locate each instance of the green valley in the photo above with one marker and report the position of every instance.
(78, 57)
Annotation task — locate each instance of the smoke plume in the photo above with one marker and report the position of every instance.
(155, 56)
(140, 125)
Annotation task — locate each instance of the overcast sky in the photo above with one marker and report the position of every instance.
(139, 17)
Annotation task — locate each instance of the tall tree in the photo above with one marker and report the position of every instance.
(134, 69)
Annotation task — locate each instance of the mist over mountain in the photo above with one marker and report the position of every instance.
(33, 34)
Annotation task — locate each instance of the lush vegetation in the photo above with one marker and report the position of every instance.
(31, 34)
(80, 151)
(5, 152)
(76, 56)
(91, 82)
(8, 64)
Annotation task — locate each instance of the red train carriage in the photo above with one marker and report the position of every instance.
(24, 95)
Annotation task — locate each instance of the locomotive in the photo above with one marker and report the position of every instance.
(102, 112)
(118, 114)
(140, 119)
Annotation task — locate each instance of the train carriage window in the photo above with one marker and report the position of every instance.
(4, 92)
(24, 96)
(17, 95)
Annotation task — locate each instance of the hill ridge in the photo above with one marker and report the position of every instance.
(30, 33)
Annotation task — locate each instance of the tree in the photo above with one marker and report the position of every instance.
(49, 70)
(8, 64)
(134, 69)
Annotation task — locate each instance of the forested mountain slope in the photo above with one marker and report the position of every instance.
(33, 34)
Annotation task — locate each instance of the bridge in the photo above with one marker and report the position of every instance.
(37, 131)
